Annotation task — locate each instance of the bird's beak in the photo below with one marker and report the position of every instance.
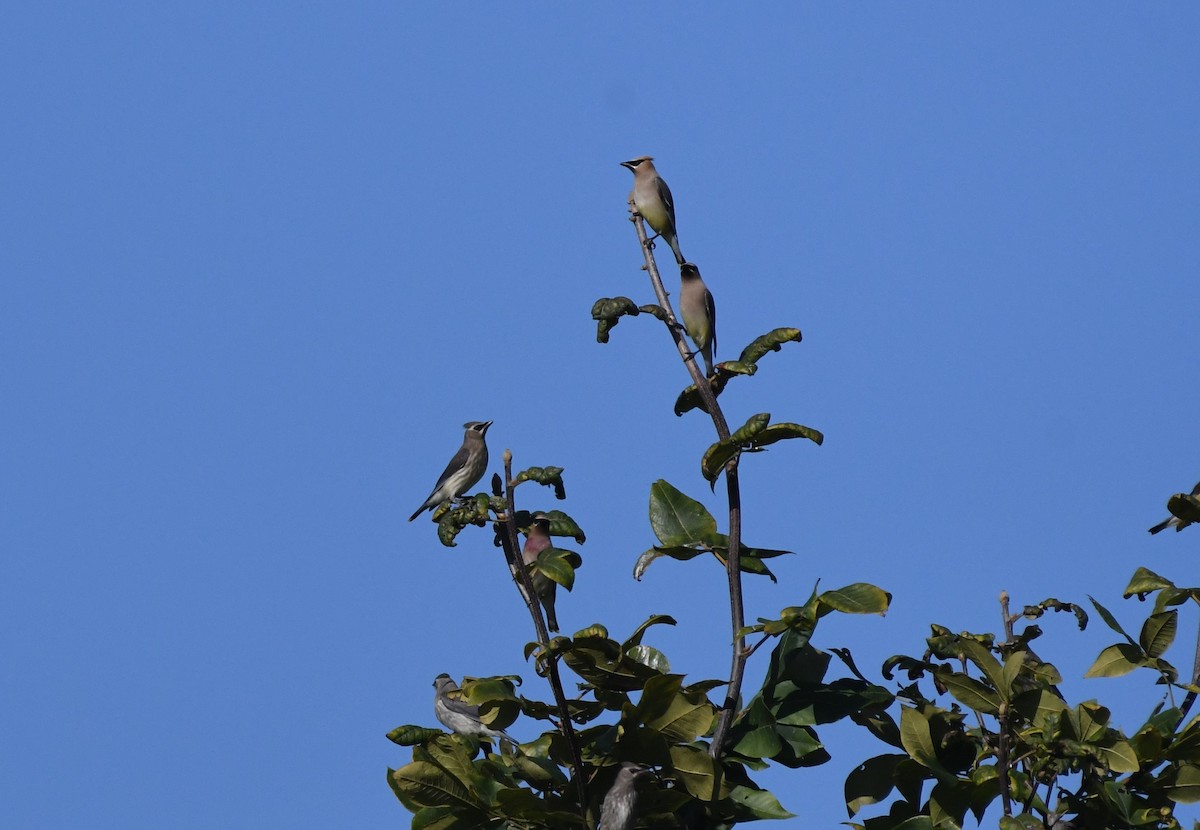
(627, 164)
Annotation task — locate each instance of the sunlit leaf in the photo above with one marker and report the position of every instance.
(769, 342)
(410, 735)
(1115, 661)
(677, 519)
(1145, 581)
(918, 742)
(858, 598)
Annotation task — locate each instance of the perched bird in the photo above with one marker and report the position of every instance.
(457, 715)
(465, 469)
(699, 312)
(652, 199)
(536, 541)
(619, 811)
(1174, 521)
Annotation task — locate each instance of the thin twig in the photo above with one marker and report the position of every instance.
(512, 552)
(1002, 718)
(733, 562)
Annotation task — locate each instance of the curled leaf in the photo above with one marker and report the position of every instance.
(548, 476)
(608, 311)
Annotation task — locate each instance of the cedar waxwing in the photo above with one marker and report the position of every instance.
(465, 469)
(652, 199)
(699, 312)
(619, 811)
(457, 715)
(1174, 521)
(536, 541)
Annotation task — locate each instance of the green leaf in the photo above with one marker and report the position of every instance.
(760, 742)
(718, 454)
(1110, 620)
(758, 804)
(608, 311)
(685, 719)
(690, 399)
(783, 431)
(697, 772)
(654, 619)
(410, 735)
(1158, 632)
(981, 656)
(677, 519)
(970, 692)
(559, 565)
(1186, 789)
(650, 657)
(1115, 661)
(447, 818)
(428, 785)
(1145, 581)
(858, 598)
(546, 476)
(918, 742)
(772, 341)
(870, 782)
(1021, 822)
(1120, 757)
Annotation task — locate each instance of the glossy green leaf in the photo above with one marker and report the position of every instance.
(1158, 632)
(1186, 788)
(772, 341)
(858, 598)
(1145, 581)
(685, 719)
(1120, 757)
(428, 785)
(650, 658)
(758, 804)
(677, 519)
(759, 742)
(970, 692)
(918, 742)
(1115, 661)
(559, 565)
(546, 476)
(697, 772)
(410, 735)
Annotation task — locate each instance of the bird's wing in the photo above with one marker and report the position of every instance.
(460, 707)
(711, 307)
(457, 462)
(664, 193)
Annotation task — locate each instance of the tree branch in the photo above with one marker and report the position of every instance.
(512, 552)
(733, 564)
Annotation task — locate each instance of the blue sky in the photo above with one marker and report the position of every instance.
(263, 260)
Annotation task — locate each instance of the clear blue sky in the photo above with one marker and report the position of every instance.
(262, 260)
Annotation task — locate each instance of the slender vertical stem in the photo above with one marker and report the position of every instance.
(733, 563)
(1002, 718)
(512, 552)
